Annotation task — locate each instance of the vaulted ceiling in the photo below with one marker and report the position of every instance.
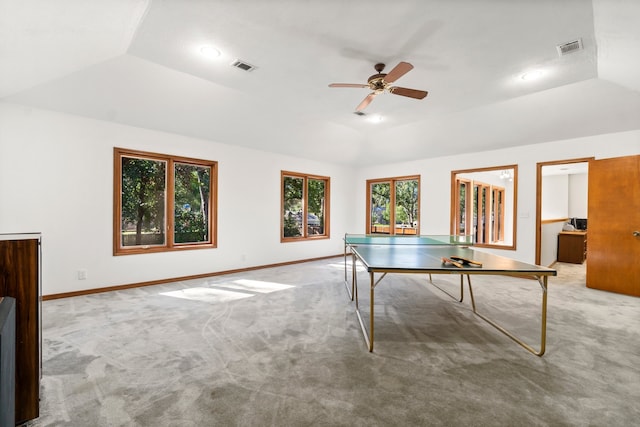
(138, 62)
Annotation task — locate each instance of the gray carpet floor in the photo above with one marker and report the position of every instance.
(282, 347)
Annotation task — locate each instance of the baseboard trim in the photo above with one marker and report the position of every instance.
(178, 279)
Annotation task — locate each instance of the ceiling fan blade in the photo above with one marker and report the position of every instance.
(366, 101)
(411, 93)
(400, 70)
(347, 85)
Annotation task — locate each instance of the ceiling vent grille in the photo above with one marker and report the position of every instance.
(569, 47)
(243, 65)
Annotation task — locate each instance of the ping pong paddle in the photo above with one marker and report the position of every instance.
(450, 261)
(466, 261)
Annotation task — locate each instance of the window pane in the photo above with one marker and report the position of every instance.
(293, 206)
(477, 228)
(380, 207)
(498, 215)
(191, 203)
(316, 207)
(483, 215)
(142, 218)
(462, 215)
(406, 209)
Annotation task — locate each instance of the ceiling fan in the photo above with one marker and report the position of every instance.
(380, 83)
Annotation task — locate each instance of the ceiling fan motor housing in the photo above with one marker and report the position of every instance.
(376, 82)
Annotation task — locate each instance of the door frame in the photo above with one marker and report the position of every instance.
(539, 167)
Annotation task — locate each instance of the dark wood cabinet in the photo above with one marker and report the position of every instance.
(20, 279)
(572, 246)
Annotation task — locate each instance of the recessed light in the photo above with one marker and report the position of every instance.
(210, 52)
(376, 118)
(532, 75)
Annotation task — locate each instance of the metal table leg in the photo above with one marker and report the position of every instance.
(543, 320)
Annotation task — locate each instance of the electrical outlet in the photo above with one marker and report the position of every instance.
(82, 274)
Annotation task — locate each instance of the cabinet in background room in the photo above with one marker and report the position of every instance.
(572, 246)
(20, 279)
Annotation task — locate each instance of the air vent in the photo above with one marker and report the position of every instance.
(243, 65)
(569, 47)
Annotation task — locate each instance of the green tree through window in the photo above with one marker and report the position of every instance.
(305, 201)
(393, 205)
(407, 202)
(143, 201)
(293, 206)
(191, 207)
(162, 202)
(380, 207)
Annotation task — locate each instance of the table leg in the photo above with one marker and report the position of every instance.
(371, 312)
(543, 320)
(368, 335)
(353, 264)
(363, 328)
(461, 287)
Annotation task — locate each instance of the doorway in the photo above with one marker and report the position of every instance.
(561, 194)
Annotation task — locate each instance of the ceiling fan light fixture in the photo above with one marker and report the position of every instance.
(376, 118)
(532, 75)
(210, 52)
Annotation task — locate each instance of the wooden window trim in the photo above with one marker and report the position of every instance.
(327, 206)
(118, 249)
(455, 200)
(392, 200)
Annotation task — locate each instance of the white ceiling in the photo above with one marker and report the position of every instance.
(566, 169)
(137, 62)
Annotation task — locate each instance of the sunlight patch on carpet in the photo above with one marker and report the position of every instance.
(256, 286)
(207, 294)
(228, 291)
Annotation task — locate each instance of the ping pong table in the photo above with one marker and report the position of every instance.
(384, 254)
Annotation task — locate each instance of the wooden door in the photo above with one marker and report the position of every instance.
(613, 230)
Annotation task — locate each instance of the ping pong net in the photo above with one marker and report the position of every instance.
(352, 241)
(419, 240)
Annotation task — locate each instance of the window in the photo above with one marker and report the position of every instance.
(162, 202)
(483, 205)
(305, 206)
(393, 201)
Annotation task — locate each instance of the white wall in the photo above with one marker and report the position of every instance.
(549, 243)
(56, 177)
(555, 205)
(565, 196)
(578, 195)
(555, 197)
